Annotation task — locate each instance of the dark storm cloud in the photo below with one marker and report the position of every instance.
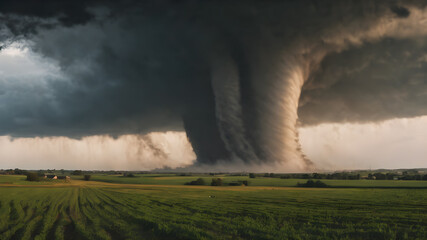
(68, 12)
(374, 82)
(400, 11)
(228, 73)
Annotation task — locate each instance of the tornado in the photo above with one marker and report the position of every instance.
(256, 92)
(258, 76)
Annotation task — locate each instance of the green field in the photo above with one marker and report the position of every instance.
(173, 179)
(20, 180)
(160, 207)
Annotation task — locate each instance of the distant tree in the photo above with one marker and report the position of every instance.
(18, 171)
(199, 181)
(62, 171)
(184, 174)
(317, 176)
(216, 182)
(380, 176)
(33, 177)
(87, 177)
(406, 177)
(77, 172)
(425, 177)
(311, 183)
(252, 175)
(126, 174)
(390, 176)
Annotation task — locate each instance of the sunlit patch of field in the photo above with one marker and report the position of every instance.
(103, 210)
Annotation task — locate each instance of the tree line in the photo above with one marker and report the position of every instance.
(218, 182)
(345, 176)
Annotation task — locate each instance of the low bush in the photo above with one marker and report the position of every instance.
(33, 177)
(87, 177)
(128, 175)
(234, 184)
(216, 182)
(199, 181)
(314, 184)
(77, 172)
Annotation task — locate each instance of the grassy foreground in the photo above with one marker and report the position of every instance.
(100, 210)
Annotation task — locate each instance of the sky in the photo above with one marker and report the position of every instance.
(287, 86)
(392, 144)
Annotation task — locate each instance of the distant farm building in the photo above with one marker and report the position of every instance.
(63, 177)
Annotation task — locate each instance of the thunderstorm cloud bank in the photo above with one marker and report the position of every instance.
(239, 77)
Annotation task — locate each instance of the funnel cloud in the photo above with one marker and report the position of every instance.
(238, 77)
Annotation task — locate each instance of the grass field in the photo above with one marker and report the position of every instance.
(21, 180)
(173, 179)
(120, 209)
